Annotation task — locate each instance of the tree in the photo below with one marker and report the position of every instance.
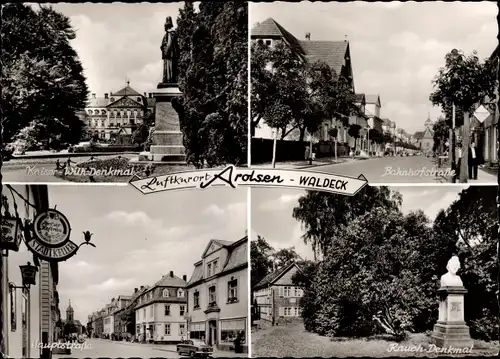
(213, 79)
(261, 264)
(464, 81)
(441, 133)
(285, 256)
(323, 214)
(42, 78)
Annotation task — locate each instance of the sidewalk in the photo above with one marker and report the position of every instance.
(172, 348)
(483, 177)
(305, 163)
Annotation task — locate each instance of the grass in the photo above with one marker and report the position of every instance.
(120, 163)
(293, 341)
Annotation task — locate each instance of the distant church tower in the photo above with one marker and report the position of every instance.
(70, 313)
(429, 123)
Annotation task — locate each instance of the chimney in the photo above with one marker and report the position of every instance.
(93, 95)
(142, 287)
(308, 36)
(112, 300)
(145, 94)
(345, 38)
(106, 96)
(184, 278)
(172, 274)
(136, 290)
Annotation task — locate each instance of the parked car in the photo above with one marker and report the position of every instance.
(194, 347)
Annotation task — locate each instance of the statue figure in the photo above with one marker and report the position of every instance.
(169, 52)
(451, 279)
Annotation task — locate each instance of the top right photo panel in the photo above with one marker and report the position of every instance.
(396, 92)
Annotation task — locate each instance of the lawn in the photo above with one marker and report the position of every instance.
(293, 341)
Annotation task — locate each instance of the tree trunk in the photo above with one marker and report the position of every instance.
(335, 150)
(464, 165)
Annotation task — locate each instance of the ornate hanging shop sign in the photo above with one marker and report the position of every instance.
(50, 237)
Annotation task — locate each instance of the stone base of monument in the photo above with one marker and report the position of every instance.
(450, 329)
(167, 137)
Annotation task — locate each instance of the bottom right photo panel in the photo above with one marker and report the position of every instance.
(391, 271)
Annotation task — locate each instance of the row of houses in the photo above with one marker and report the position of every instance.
(337, 55)
(212, 305)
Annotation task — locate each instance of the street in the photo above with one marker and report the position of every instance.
(101, 348)
(412, 169)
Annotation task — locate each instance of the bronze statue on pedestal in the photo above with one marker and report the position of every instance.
(170, 52)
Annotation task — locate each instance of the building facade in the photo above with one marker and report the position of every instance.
(160, 312)
(29, 315)
(334, 53)
(277, 298)
(218, 294)
(117, 112)
(120, 326)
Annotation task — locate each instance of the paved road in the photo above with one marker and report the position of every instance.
(100, 348)
(414, 169)
(40, 170)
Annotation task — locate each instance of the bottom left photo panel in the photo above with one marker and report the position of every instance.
(106, 271)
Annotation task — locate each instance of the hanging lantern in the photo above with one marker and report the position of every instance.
(28, 273)
(12, 233)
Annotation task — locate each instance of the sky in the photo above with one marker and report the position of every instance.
(272, 210)
(396, 48)
(139, 237)
(119, 42)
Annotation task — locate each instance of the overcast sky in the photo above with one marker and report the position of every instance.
(139, 237)
(119, 41)
(272, 212)
(396, 48)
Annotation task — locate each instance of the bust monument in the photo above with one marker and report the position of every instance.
(169, 53)
(451, 279)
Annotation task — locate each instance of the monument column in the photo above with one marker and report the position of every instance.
(450, 329)
(167, 140)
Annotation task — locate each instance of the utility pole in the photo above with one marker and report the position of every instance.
(451, 147)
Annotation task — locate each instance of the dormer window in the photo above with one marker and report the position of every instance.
(215, 267)
(180, 293)
(138, 99)
(260, 42)
(112, 99)
(165, 293)
(209, 269)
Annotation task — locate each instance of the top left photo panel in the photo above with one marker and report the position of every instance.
(107, 92)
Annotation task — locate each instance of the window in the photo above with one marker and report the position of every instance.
(167, 329)
(151, 295)
(230, 329)
(286, 291)
(165, 293)
(167, 309)
(196, 299)
(297, 292)
(182, 329)
(13, 320)
(297, 312)
(212, 298)
(232, 290)
(144, 313)
(138, 99)
(112, 99)
(180, 293)
(288, 311)
(182, 309)
(269, 42)
(209, 269)
(215, 267)
(197, 331)
(103, 112)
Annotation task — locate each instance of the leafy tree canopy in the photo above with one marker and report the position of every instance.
(42, 77)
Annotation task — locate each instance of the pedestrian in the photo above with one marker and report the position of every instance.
(69, 162)
(472, 161)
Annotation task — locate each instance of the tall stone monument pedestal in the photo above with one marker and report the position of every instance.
(450, 329)
(167, 137)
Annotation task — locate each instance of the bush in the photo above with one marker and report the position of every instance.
(112, 148)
